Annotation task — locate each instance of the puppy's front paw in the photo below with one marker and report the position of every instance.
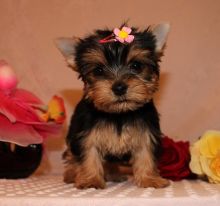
(95, 182)
(156, 182)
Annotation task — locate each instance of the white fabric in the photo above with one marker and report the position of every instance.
(51, 191)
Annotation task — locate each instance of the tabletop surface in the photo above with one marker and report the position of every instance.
(50, 190)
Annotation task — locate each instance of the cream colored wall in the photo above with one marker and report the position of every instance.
(189, 100)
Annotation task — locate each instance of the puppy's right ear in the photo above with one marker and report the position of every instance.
(67, 48)
(161, 32)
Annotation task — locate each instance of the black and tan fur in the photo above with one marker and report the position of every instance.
(116, 122)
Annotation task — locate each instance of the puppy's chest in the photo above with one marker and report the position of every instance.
(111, 138)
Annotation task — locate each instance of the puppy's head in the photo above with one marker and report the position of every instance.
(118, 77)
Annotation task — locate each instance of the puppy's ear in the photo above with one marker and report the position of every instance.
(67, 48)
(160, 32)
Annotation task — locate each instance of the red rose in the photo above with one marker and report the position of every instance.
(174, 160)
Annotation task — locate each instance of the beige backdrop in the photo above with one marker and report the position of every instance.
(189, 100)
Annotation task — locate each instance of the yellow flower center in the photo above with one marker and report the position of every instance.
(215, 165)
(123, 34)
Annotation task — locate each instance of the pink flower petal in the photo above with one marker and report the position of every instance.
(18, 133)
(126, 29)
(16, 109)
(116, 31)
(129, 39)
(120, 39)
(19, 121)
(25, 134)
(27, 96)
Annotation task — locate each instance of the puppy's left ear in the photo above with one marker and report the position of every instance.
(67, 48)
(161, 32)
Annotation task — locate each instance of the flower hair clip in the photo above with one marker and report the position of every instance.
(122, 35)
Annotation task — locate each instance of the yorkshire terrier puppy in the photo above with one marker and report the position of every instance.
(116, 120)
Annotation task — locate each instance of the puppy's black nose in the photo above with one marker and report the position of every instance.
(119, 88)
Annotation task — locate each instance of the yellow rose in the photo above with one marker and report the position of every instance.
(205, 156)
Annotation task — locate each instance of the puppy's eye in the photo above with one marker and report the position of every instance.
(136, 67)
(98, 71)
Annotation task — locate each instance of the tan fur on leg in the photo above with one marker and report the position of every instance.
(90, 173)
(69, 174)
(70, 168)
(145, 172)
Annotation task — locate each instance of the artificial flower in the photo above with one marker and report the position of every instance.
(55, 110)
(123, 35)
(174, 160)
(205, 156)
(20, 119)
